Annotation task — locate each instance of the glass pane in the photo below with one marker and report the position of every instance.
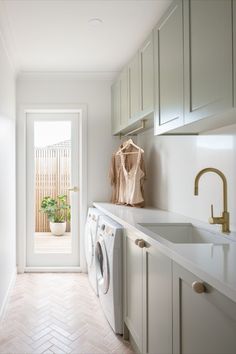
(52, 178)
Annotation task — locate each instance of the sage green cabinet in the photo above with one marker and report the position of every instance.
(147, 76)
(133, 316)
(184, 72)
(168, 60)
(207, 58)
(157, 302)
(133, 90)
(141, 82)
(123, 99)
(203, 323)
(169, 310)
(147, 295)
(119, 96)
(115, 106)
(193, 62)
(134, 87)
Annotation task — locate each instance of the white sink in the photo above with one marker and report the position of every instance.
(184, 233)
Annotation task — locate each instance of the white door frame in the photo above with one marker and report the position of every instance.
(81, 109)
(35, 259)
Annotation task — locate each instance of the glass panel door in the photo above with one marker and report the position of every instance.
(52, 189)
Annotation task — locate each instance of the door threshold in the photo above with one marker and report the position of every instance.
(53, 270)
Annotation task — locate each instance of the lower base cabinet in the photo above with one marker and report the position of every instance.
(148, 295)
(204, 322)
(157, 302)
(169, 310)
(133, 287)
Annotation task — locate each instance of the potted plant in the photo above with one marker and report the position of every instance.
(58, 212)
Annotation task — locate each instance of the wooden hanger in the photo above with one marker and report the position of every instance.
(126, 145)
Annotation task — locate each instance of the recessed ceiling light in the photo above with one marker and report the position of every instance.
(95, 21)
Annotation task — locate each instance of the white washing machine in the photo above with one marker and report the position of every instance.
(108, 256)
(90, 242)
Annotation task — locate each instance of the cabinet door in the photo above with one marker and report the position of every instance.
(203, 323)
(168, 65)
(134, 88)
(207, 58)
(133, 287)
(115, 106)
(124, 99)
(157, 302)
(147, 73)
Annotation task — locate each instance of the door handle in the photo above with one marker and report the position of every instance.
(73, 189)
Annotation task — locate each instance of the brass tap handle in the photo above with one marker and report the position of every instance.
(137, 241)
(211, 219)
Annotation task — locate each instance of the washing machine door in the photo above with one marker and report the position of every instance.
(102, 265)
(89, 244)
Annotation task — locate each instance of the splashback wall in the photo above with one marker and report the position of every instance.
(172, 163)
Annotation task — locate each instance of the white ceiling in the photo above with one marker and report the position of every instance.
(55, 35)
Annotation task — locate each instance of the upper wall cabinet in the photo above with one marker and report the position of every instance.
(115, 106)
(123, 98)
(135, 95)
(194, 67)
(141, 82)
(168, 44)
(147, 77)
(134, 87)
(208, 58)
(119, 103)
(191, 57)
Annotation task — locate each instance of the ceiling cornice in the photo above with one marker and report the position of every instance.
(73, 75)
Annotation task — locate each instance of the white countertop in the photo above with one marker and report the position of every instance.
(214, 264)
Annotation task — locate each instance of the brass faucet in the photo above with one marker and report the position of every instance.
(224, 219)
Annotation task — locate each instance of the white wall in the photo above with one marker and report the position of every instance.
(7, 175)
(172, 163)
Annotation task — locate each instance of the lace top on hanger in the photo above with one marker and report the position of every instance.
(127, 174)
(130, 187)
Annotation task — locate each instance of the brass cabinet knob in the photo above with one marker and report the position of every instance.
(198, 287)
(141, 244)
(137, 241)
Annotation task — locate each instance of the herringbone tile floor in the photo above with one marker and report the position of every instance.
(57, 313)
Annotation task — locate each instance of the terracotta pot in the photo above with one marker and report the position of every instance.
(58, 228)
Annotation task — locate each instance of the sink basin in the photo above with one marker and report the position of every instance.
(184, 233)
